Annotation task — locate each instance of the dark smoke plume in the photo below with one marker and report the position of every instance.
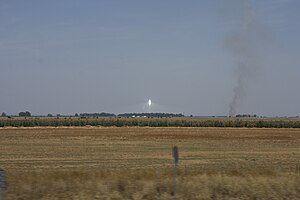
(243, 41)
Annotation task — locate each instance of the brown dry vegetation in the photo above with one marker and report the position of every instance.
(135, 163)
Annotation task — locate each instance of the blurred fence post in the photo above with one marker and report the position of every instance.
(175, 159)
(2, 184)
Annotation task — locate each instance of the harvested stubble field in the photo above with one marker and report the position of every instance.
(135, 163)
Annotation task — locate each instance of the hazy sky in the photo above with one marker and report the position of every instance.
(73, 56)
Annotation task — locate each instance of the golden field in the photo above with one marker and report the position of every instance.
(135, 163)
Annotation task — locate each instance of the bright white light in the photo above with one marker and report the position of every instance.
(149, 102)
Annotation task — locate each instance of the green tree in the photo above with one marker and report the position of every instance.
(25, 114)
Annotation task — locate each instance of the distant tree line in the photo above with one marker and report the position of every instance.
(158, 115)
(21, 114)
(25, 114)
(132, 115)
(103, 114)
(245, 115)
(151, 122)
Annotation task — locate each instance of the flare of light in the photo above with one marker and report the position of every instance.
(149, 102)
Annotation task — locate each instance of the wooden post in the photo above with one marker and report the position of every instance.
(2, 184)
(175, 159)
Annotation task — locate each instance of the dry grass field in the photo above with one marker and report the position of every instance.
(135, 163)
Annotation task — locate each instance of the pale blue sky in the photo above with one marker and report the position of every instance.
(73, 56)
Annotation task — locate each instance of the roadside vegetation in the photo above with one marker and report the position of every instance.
(149, 184)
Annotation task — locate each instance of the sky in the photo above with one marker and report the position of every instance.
(207, 57)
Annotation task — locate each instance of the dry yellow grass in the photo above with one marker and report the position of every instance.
(135, 163)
